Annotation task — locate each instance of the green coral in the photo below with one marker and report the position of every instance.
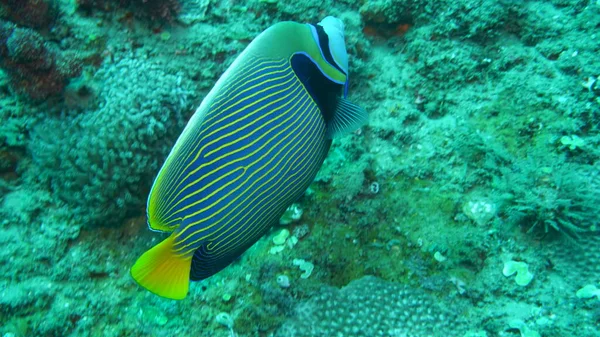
(101, 162)
(548, 193)
(572, 142)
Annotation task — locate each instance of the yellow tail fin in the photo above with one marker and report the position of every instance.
(163, 272)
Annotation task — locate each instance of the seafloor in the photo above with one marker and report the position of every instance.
(481, 155)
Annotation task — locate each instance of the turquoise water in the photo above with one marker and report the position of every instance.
(468, 205)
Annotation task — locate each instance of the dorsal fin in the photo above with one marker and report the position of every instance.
(347, 117)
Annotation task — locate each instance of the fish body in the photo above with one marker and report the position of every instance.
(250, 150)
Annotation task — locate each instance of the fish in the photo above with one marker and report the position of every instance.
(249, 151)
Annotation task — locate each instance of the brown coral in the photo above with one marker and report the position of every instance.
(34, 67)
(166, 10)
(29, 13)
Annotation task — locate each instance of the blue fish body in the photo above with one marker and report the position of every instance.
(251, 149)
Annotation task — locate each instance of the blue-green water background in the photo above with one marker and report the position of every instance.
(482, 150)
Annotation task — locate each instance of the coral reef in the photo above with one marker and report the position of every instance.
(29, 13)
(104, 167)
(585, 267)
(483, 125)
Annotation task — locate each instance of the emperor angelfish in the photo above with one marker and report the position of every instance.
(249, 151)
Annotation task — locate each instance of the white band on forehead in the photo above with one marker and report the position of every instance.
(334, 28)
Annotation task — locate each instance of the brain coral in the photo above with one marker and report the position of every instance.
(371, 307)
(101, 162)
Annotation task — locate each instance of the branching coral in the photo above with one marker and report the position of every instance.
(551, 194)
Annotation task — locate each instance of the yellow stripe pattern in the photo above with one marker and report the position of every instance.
(232, 174)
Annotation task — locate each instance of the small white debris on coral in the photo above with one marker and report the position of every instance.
(588, 291)
(280, 238)
(524, 276)
(590, 82)
(460, 284)
(291, 214)
(439, 257)
(283, 281)
(480, 211)
(224, 319)
(374, 187)
(276, 249)
(305, 266)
